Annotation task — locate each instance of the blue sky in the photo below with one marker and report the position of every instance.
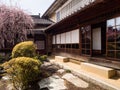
(30, 6)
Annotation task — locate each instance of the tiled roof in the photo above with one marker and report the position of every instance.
(38, 31)
(38, 20)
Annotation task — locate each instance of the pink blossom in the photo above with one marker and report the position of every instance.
(14, 24)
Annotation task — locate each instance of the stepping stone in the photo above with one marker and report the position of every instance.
(79, 83)
(52, 83)
(61, 71)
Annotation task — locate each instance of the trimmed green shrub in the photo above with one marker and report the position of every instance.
(7, 56)
(24, 49)
(68, 71)
(22, 71)
(41, 58)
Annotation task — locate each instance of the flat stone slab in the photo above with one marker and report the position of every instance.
(75, 80)
(52, 83)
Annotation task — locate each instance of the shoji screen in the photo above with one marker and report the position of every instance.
(68, 37)
(75, 36)
(58, 39)
(63, 38)
(53, 40)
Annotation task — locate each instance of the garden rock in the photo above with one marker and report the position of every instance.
(2, 72)
(46, 64)
(61, 71)
(52, 83)
(5, 78)
(50, 68)
(79, 83)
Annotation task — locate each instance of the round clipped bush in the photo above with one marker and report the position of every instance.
(42, 58)
(22, 71)
(24, 49)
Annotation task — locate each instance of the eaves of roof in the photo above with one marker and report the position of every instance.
(55, 5)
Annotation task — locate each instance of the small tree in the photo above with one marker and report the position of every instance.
(14, 24)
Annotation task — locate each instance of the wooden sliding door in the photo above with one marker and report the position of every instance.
(113, 38)
(86, 40)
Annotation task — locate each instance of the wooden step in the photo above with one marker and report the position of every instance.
(61, 58)
(75, 61)
(99, 70)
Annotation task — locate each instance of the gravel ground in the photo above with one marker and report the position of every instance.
(3, 85)
(91, 87)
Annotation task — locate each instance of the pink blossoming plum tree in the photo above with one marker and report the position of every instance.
(14, 24)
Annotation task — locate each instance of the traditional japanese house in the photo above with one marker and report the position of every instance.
(38, 33)
(87, 30)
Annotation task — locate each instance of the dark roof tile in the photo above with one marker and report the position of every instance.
(38, 20)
